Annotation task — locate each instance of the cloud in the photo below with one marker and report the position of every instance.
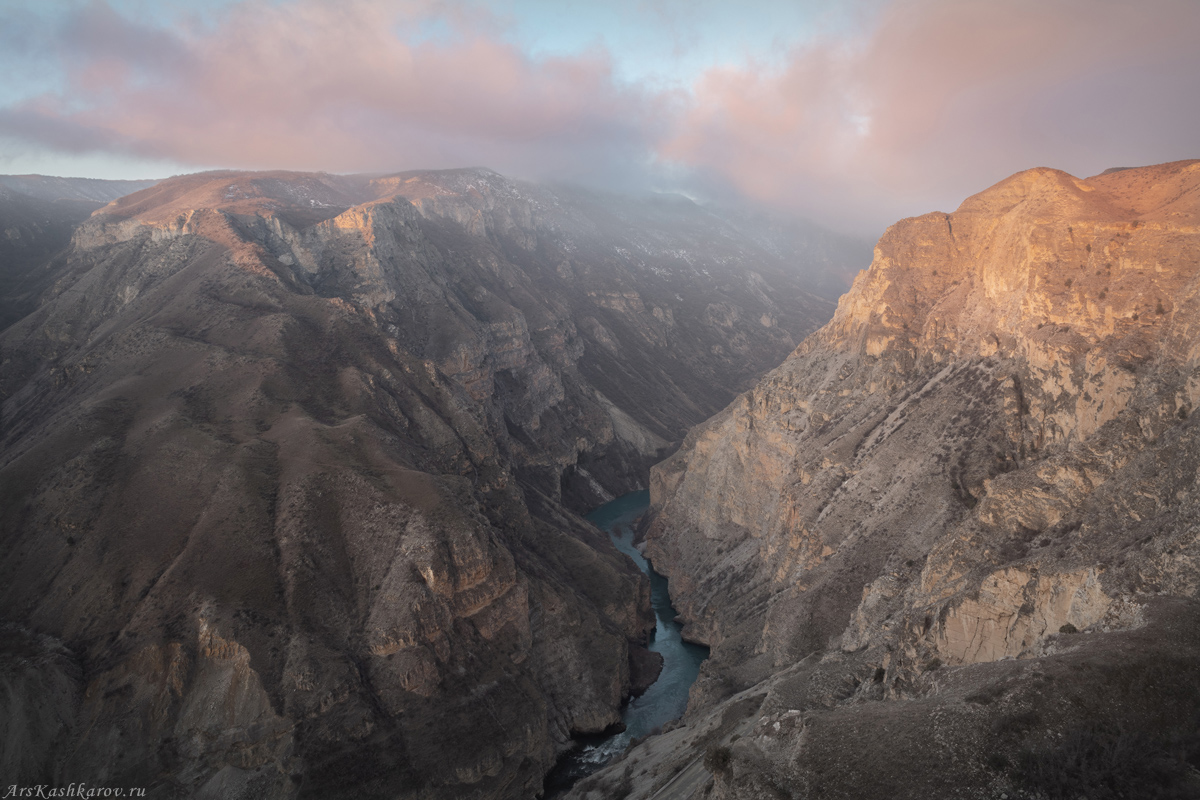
(342, 87)
(921, 104)
(941, 98)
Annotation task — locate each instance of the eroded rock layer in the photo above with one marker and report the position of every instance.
(287, 464)
(992, 445)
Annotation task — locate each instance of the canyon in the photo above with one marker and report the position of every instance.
(293, 462)
(293, 465)
(949, 548)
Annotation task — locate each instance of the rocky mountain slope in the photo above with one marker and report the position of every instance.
(38, 215)
(288, 464)
(950, 547)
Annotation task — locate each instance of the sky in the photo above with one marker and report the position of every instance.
(853, 114)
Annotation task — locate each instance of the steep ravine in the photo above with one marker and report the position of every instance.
(674, 662)
(289, 463)
(949, 547)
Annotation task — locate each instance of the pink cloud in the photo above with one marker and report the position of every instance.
(941, 98)
(339, 87)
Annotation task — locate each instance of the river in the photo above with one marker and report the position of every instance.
(667, 697)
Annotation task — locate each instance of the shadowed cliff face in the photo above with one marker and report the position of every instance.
(287, 464)
(993, 438)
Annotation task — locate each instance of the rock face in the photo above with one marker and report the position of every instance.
(287, 469)
(992, 444)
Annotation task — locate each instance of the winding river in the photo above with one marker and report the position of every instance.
(667, 697)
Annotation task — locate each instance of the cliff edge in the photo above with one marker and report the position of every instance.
(957, 530)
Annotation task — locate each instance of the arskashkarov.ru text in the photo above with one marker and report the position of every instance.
(74, 790)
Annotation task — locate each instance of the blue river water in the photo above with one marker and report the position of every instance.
(667, 698)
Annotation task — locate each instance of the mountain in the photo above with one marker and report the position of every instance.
(950, 547)
(38, 215)
(91, 190)
(291, 464)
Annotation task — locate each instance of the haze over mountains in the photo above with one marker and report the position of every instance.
(94, 190)
(290, 463)
(38, 215)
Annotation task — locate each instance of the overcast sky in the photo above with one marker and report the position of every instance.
(853, 114)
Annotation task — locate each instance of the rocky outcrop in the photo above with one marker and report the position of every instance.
(989, 446)
(288, 464)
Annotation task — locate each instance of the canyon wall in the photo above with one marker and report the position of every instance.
(892, 540)
(290, 466)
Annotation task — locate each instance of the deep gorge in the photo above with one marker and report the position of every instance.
(948, 547)
(290, 464)
(666, 699)
(293, 467)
